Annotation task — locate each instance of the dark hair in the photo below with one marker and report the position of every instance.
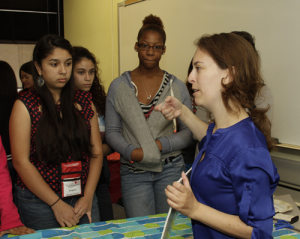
(233, 52)
(97, 89)
(247, 36)
(187, 83)
(26, 67)
(251, 39)
(8, 81)
(152, 23)
(64, 132)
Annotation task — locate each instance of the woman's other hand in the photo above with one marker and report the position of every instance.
(171, 108)
(181, 197)
(65, 214)
(18, 231)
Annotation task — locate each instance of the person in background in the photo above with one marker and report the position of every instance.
(55, 143)
(188, 153)
(230, 193)
(9, 217)
(86, 78)
(8, 95)
(264, 98)
(26, 76)
(199, 111)
(150, 146)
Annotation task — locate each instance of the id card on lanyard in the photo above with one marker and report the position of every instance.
(71, 179)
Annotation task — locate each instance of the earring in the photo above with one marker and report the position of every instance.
(40, 81)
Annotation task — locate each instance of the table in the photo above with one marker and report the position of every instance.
(139, 227)
(285, 234)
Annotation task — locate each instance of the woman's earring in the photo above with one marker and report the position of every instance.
(40, 81)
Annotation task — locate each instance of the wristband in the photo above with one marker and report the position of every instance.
(55, 202)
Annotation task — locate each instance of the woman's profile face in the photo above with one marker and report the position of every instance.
(206, 78)
(56, 69)
(150, 48)
(27, 80)
(84, 74)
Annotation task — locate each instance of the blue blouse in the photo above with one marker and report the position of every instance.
(237, 177)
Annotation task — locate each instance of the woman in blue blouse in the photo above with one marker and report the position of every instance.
(233, 177)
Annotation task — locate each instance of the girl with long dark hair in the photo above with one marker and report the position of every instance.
(86, 77)
(56, 144)
(9, 218)
(8, 95)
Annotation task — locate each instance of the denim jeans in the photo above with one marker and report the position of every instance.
(38, 215)
(144, 193)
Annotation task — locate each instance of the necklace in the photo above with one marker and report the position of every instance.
(148, 97)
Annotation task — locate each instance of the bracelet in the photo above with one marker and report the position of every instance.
(55, 202)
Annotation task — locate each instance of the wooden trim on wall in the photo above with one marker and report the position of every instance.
(289, 146)
(129, 2)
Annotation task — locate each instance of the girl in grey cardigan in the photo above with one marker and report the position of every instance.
(150, 146)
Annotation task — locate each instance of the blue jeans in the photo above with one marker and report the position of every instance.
(144, 193)
(38, 215)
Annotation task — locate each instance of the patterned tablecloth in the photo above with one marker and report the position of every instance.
(285, 234)
(139, 227)
(150, 227)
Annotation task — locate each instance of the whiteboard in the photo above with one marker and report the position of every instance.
(274, 23)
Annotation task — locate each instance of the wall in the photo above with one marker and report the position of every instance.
(273, 23)
(93, 24)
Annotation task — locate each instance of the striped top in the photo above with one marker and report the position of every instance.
(147, 109)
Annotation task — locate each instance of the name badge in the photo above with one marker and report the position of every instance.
(71, 182)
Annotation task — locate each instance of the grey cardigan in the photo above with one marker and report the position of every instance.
(128, 129)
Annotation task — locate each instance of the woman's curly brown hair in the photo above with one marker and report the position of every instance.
(233, 52)
(97, 90)
(153, 23)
